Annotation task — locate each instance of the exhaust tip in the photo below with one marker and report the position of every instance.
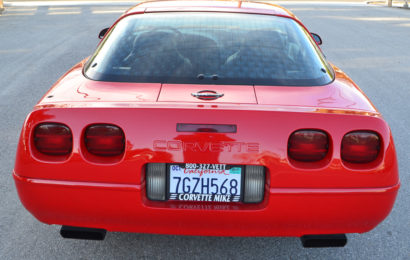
(82, 233)
(336, 240)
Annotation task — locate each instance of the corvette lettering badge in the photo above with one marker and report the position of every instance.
(163, 145)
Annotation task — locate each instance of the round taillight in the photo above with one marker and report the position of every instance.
(308, 145)
(104, 140)
(53, 139)
(360, 147)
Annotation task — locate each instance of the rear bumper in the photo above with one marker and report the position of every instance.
(285, 212)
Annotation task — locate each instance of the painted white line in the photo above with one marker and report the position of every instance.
(322, 3)
(15, 14)
(18, 9)
(70, 3)
(382, 19)
(62, 13)
(108, 12)
(131, 3)
(64, 8)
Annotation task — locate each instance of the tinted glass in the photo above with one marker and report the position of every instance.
(209, 48)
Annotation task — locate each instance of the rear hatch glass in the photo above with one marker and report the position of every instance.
(209, 48)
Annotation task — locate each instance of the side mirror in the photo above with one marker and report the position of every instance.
(317, 38)
(103, 32)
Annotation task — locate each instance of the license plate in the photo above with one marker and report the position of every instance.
(205, 182)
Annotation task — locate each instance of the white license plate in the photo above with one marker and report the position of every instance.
(205, 182)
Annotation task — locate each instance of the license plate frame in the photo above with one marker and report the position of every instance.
(213, 198)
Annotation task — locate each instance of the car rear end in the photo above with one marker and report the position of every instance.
(196, 129)
(296, 175)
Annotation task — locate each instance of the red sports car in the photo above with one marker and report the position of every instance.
(218, 118)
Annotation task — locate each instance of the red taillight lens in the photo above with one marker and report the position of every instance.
(53, 139)
(308, 145)
(360, 147)
(104, 140)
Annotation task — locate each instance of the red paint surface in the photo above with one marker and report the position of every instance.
(329, 196)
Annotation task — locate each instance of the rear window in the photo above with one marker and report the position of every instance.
(209, 48)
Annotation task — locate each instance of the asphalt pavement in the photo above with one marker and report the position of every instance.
(39, 43)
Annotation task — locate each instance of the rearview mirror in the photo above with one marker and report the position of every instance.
(317, 38)
(103, 32)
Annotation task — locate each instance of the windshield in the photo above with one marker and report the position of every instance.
(209, 48)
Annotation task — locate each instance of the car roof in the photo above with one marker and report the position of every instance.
(256, 7)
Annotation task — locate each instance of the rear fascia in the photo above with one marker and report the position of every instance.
(261, 139)
(300, 199)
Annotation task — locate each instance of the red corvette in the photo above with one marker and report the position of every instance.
(218, 118)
